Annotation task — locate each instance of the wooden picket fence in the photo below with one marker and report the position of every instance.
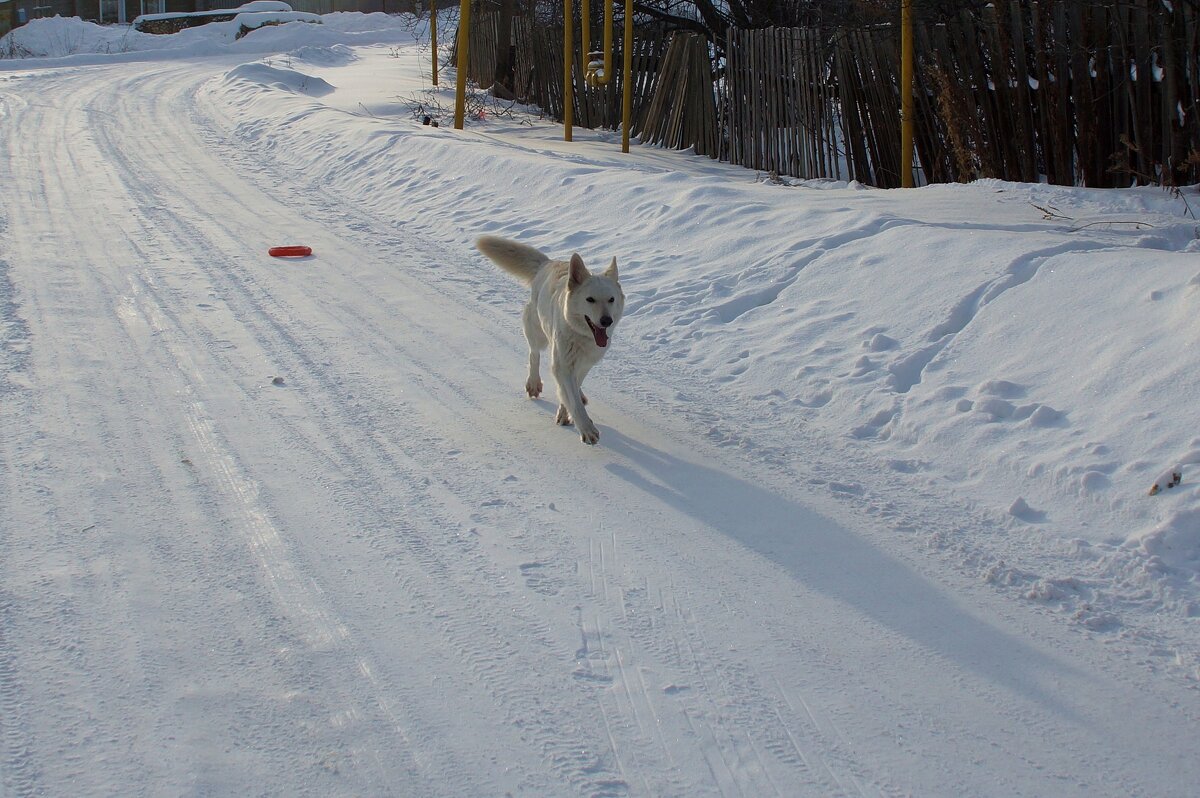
(778, 103)
(1074, 92)
(682, 112)
(1088, 93)
(674, 104)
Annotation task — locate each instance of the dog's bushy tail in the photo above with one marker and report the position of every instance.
(519, 260)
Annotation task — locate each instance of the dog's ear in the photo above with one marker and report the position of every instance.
(611, 271)
(579, 273)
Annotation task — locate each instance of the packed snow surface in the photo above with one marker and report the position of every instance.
(897, 492)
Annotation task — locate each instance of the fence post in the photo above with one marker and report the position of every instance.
(460, 80)
(627, 77)
(906, 94)
(568, 55)
(433, 37)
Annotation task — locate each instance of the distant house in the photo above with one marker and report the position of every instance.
(122, 11)
(100, 10)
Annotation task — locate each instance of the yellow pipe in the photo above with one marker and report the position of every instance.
(627, 77)
(433, 37)
(906, 94)
(568, 53)
(585, 30)
(460, 80)
(598, 74)
(595, 73)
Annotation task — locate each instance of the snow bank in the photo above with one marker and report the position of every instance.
(278, 78)
(74, 39)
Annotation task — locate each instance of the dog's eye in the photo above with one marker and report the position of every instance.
(592, 300)
(611, 299)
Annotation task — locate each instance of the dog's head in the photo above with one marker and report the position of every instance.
(595, 302)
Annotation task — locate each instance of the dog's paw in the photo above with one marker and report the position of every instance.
(533, 388)
(589, 434)
(563, 419)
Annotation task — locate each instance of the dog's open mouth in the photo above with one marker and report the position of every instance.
(599, 333)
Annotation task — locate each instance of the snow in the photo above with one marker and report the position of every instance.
(870, 512)
(257, 7)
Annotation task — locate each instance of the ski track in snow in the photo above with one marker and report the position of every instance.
(393, 575)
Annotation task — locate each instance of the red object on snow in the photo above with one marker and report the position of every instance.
(289, 252)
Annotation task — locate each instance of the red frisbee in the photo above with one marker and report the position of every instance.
(289, 252)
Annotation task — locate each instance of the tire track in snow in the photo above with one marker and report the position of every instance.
(562, 751)
(86, 599)
(296, 593)
(18, 773)
(141, 304)
(728, 705)
(367, 455)
(77, 643)
(465, 397)
(632, 707)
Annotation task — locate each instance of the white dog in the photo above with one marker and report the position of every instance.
(570, 310)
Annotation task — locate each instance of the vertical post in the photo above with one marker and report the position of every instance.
(585, 30)
(460, 80)
(906, 94)
(627, 76)
(568, 51)
(433, 37)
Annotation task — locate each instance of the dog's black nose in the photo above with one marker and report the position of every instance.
(606, 321)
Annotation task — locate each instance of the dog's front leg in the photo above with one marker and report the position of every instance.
(533, 383)
(537, 342)
(570, 398)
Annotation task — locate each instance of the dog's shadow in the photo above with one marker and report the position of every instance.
(825, 556)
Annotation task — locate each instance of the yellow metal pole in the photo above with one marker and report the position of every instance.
(599, 73)
(585, 30)
(568, 50)
(460, 80)
(602, 80)
(627, 77)
(906, 94)
(433, 37)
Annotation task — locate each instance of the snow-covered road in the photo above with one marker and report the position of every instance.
(290, 528)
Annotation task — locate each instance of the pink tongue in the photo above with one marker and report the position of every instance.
(600, 334)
